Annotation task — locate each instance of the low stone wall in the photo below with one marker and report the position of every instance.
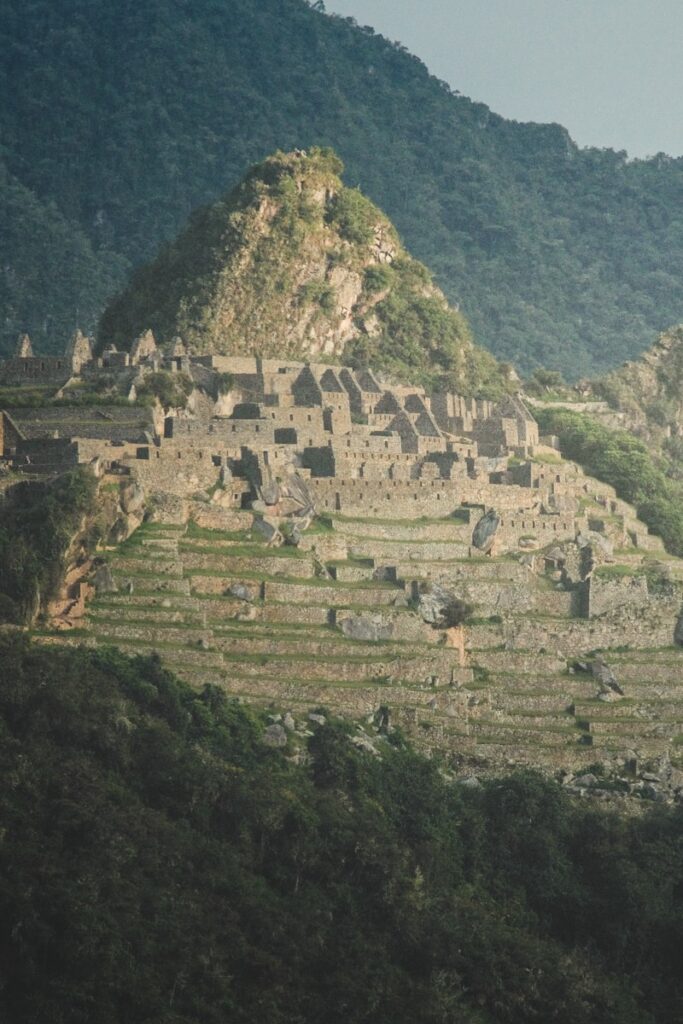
(608, 593)
(447, 531)
(229, 565)
(332, 597)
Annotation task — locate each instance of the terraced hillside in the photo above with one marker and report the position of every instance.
(338, 622)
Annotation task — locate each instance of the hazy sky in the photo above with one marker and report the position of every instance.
(611, 71)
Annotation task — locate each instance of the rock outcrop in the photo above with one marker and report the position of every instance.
(294, 264)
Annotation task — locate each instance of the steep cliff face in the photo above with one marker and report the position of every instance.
(294, 264)
(647, 395)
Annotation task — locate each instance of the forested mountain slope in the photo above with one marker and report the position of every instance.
(160, 862)
(128, 116)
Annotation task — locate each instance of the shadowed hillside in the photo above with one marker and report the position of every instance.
(165, 857)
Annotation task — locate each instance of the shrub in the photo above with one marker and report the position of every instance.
(172, 389)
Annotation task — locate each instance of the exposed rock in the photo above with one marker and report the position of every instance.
(241, 591)
(291, 533)
(470, 782)
(440, 607)
(366, 627)
(365, 744)
(296, 496)
(317, 719)
(606, 677)
(586, 781)
(485, 531)
(269, 491)
(288, 722)
(104, 581)
(432, 602)
(223, 310)
(275, 736)
(133, 498)
(268, 531)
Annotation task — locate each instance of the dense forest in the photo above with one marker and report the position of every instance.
(38, 523)
(159, 862)
(118, 120)
(626, 463)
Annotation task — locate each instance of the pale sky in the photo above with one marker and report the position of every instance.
(610, 71)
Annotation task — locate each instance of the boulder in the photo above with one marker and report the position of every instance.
(269, 491)
(317, 719)
(366, 627)
(471, 782)
(606, 677)
(241, 591)
(132, 498)
(440, 607)
(288, 722)
(432, 602)
(586, 781)
(365, 744)
(268, 531)
(275, 736)
(104, 581)
(485, 531)
(291, 533)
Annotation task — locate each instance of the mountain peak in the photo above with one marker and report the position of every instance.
(292, 263)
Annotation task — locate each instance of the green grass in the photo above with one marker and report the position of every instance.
(246, 550)
(459, 518)
(193, 530)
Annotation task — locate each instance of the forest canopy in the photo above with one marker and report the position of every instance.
(159, 862)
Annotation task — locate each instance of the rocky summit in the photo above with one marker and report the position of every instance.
(293, 264)
(303, 534)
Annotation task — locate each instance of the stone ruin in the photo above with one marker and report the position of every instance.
(307, 528)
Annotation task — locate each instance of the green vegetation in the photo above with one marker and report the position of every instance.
(557, 255)
(38, 522)
(160, 863)
(622, 460)
(172, 389)
(277, 262)
(353, 215)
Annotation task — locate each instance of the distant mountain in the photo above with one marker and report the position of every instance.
(128, 116)
(294, 264)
